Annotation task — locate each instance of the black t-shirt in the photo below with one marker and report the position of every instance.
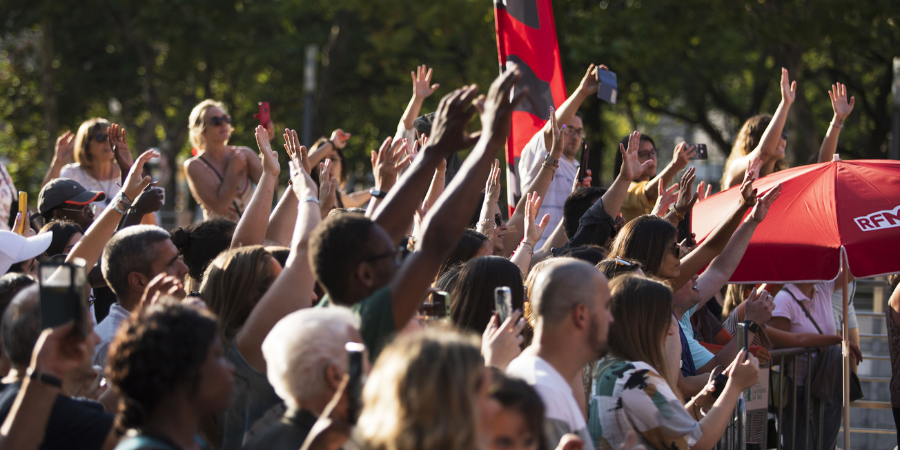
(287, 434)
(81, 424)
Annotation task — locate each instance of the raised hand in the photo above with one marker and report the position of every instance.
(421, 79)
(119, 145)
(150, 200)
(269, 156)
(65, 148)
(161, 286)
(492, 187)
(500, 344)
(135, 182)
(839, 103)
(388, 161)
(339, 138)
(686, 197)
(301, 183)
(590, 84)
(682, 155)
(631, 165)
(534, 230)
(328, 188)
(664, 199)
(762, 206)
(702, 194)
(557, 136)
(759, 307)
(788, 88)
(448, 131)
(295, 151)
(748, 192)
(498, 107)
(753, 168)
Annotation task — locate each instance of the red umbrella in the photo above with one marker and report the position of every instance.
(829, 214)
(824, 209)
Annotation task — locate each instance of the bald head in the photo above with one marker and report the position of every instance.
(564, 284)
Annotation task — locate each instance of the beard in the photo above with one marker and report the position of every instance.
(596, 343)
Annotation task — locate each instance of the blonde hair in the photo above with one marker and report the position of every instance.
(734, 296)
(748, 139)
(82, 142)
(233, 284)
(197, 121)
(422, 392)
(642, 309)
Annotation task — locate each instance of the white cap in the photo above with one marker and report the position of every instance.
(15, 248)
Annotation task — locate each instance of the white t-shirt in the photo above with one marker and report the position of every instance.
(107, 331)
(530, 163)
(110, 187)
(562, 413)
(819, 307)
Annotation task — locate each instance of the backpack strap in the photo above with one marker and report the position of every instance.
(221, 180)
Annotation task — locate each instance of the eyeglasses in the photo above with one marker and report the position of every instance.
(100, 137)
(498, 220)
(396, 253)
(574, 132)
(647, 154)
(86, 209)
(219, 120)
(676, 250)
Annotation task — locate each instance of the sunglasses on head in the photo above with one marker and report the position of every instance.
(219, 120)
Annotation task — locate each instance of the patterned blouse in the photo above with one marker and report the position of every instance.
(893, 332)
(8, 194)
(632, 396)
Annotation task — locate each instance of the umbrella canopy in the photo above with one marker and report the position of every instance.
(824, 209)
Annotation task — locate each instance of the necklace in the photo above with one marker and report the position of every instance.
(106, 190)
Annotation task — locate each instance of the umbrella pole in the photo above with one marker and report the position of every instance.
(846, 355)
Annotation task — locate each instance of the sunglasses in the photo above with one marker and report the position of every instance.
(574, 132)
(676, 250)
(100, 137)
(397, 254)
(86, 209)
(498, 220)
(219, 120)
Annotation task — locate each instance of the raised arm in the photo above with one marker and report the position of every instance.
(486, 224)
(338, 140)
(91, 246)
(444, 224)
(631, 169)
(422, 89)
(293, 289)
(251, 228)
(533, 232)
(681, 156)
(842, 109)
(387, 163)
(62, 153)
(588, 86)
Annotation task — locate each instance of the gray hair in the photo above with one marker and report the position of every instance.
(21, 326)
(130, 250)
(300, 347)
(560, 287)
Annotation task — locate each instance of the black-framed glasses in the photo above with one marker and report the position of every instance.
(219, 120)
(572, 131)
(647, 154)
(498, 220)
(100, 137)
(396, 253)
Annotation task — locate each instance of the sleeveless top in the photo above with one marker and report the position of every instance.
(241, 199)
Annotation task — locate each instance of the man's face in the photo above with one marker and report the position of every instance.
(382, 256)
(167, 260)
(688, 295)
(601, 318)
(574, 132)
(82, 215)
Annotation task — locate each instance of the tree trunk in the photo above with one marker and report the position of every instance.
(48, 84)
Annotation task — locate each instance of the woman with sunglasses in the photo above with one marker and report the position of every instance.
(220, 175)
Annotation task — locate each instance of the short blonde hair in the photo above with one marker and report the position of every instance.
(197, 121)
(422, 392)
(87, 129)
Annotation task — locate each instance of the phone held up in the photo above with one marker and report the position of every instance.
(64, 291)
(263, 115)
(700, 152)
(585, 156)
(742, 337)
(436, 307)
(609, 86)
(502, 303)
(355, 355)
(23, 209)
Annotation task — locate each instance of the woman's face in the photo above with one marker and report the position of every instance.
(72, 241)
(336, 165)
(30, 267)
(98, 146)
(218, 134)
(670, 264)
(510, 431)
(487, 406)
(646, 152)
(216, 382)
(500, 232)
(672, 344)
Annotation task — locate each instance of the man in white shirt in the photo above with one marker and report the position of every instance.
(571, 305)
(133, 257)
(534, 153)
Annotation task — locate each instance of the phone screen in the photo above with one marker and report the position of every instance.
(585, 156)
(700, 152)
(355, 352)
(742, 336)
(502, 303)
(64, 295)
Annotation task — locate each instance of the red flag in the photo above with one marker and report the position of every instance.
(526, 36)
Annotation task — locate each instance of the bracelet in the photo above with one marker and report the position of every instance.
(530, 247)
(549, 166)
(121, 203)
(677, 214)
(836, 125)
(309, 199)
(44, 378)
(487, 222)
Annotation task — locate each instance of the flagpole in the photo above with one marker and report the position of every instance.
(845, 352)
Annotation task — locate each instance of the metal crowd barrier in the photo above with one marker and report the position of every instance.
(810, 405)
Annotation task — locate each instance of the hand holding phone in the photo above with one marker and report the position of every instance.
(502, 303)
(609, 86)
(263, 115)
(355, 352)
(64, 295)
(585, 156)
(700, 152)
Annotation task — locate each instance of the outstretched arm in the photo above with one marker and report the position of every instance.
(62, 153)
(588, 86)
(251, 228)
(422, 89)
(842, 109)
(444, 224)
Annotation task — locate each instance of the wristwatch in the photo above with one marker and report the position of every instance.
(45, 378)
(752, 326)
(377, 194)
(551, 162)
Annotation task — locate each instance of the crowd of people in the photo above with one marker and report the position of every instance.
(410, 316)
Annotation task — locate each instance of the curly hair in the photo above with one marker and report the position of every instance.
(154, 353)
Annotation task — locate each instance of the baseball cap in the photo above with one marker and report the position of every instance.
(422, 124)
(15, 248)
(65, 190)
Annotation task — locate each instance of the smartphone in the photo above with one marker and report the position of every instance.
(585, 155)
(63, 288)
(719, 382)
(23, 209)
(700, 151)
(263, 115)
(609, 86)
(436, 306)
(742, 337)
(502, 303)
(684, 228)
(355, 352)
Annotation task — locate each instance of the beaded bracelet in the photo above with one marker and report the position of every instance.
(121, 203)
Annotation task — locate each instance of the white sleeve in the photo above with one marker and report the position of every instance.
(531, 159)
